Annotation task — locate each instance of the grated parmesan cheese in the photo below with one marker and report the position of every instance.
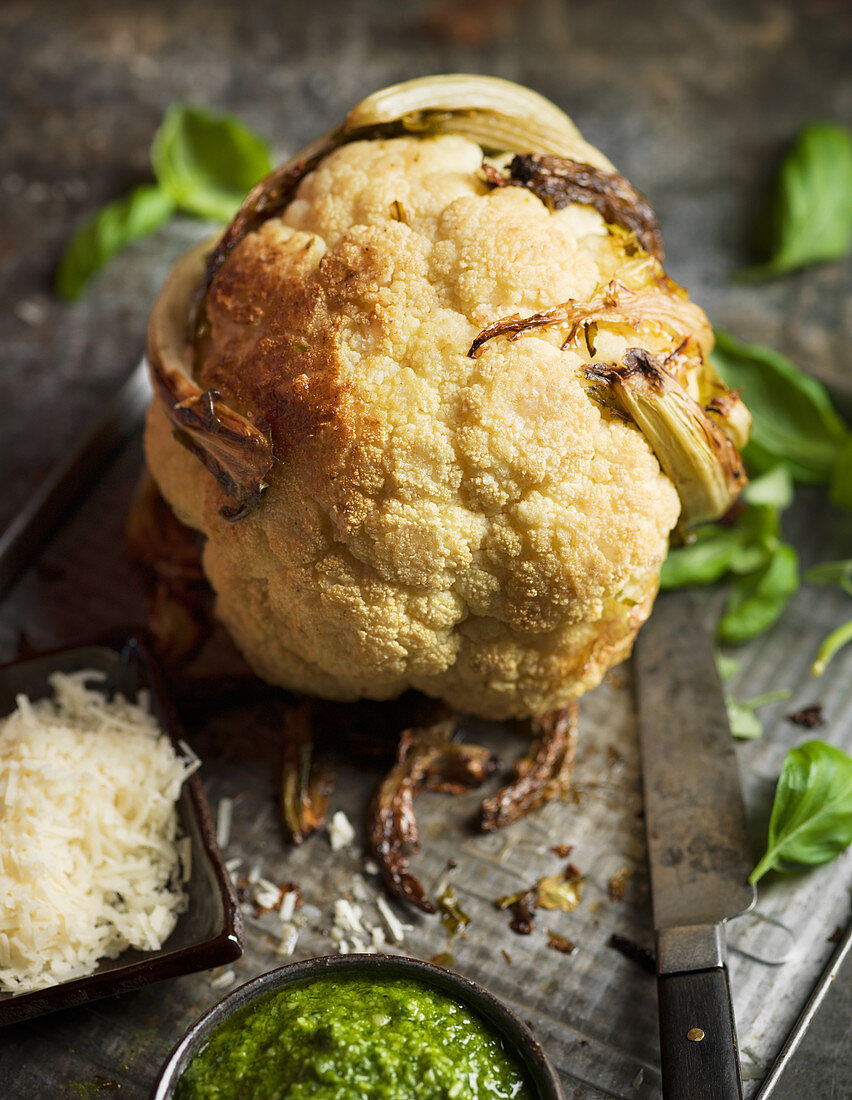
(89, 863)
(395, 926)
(340, 831)
(224, 817)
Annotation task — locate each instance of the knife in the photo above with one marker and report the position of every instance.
(698, 847)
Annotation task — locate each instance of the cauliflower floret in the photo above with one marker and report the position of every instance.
(477, 528)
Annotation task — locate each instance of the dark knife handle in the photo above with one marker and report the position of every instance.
(698, 1039)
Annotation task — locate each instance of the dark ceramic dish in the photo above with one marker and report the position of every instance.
(514, 1032)
(210, 931)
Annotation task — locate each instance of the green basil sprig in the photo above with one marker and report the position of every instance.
(751, 548)
(811, 820)
(840, 485)
(204, 164)
(757, 599)
(116, 225)
(794, 423)
(811, 210)
(839, 573)
(796, 436)
(744, 723)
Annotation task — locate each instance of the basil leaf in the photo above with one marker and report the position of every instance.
(774, 489)
(741, 547)
(811, 820)
(840, 484)
(794, 423)
(207, 162)
(839, 573)
(757, 599)
(119, 223)
(832, 572)
(744, 723)
(812, 205)
(726, 666)
(832, 645)
(705, 560)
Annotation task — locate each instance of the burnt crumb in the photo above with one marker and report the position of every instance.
(523, 920)
(809, 717)
(452, 864)
(521, 907)
(563, 850)
(836, 936)
(643, 958)
(618, 884)
(560, 943)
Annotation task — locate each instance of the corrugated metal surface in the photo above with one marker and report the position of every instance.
(594, 1010)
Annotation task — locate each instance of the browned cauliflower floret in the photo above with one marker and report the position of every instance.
(478, 526)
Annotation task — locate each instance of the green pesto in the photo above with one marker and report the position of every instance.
(340, 1037)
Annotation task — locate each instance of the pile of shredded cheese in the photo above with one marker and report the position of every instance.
(90, 861)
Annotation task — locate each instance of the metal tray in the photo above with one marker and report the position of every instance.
(594, 1010)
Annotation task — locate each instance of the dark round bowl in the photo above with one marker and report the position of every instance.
(514, 1032)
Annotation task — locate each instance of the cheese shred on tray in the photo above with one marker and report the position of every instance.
(89, 863)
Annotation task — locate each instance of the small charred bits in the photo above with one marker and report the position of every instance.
(521, 907)
(617, 887)
(558, 181)
(636, 362)
(808, 717)
(542, 774)
(427, 758)
(560, 943)
(306, 782)
(453, 917)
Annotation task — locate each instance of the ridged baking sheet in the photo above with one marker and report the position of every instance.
(594, 1010)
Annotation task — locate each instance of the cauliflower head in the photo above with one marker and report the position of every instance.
(476, 525)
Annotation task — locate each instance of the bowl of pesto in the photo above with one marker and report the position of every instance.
(377, 1027)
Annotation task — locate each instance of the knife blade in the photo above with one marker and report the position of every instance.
(698, 847)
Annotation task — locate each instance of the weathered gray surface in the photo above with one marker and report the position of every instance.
(693, 101)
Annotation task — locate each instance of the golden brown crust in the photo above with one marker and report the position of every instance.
(476, 528)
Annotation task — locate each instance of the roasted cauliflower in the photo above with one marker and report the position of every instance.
(399, 419)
